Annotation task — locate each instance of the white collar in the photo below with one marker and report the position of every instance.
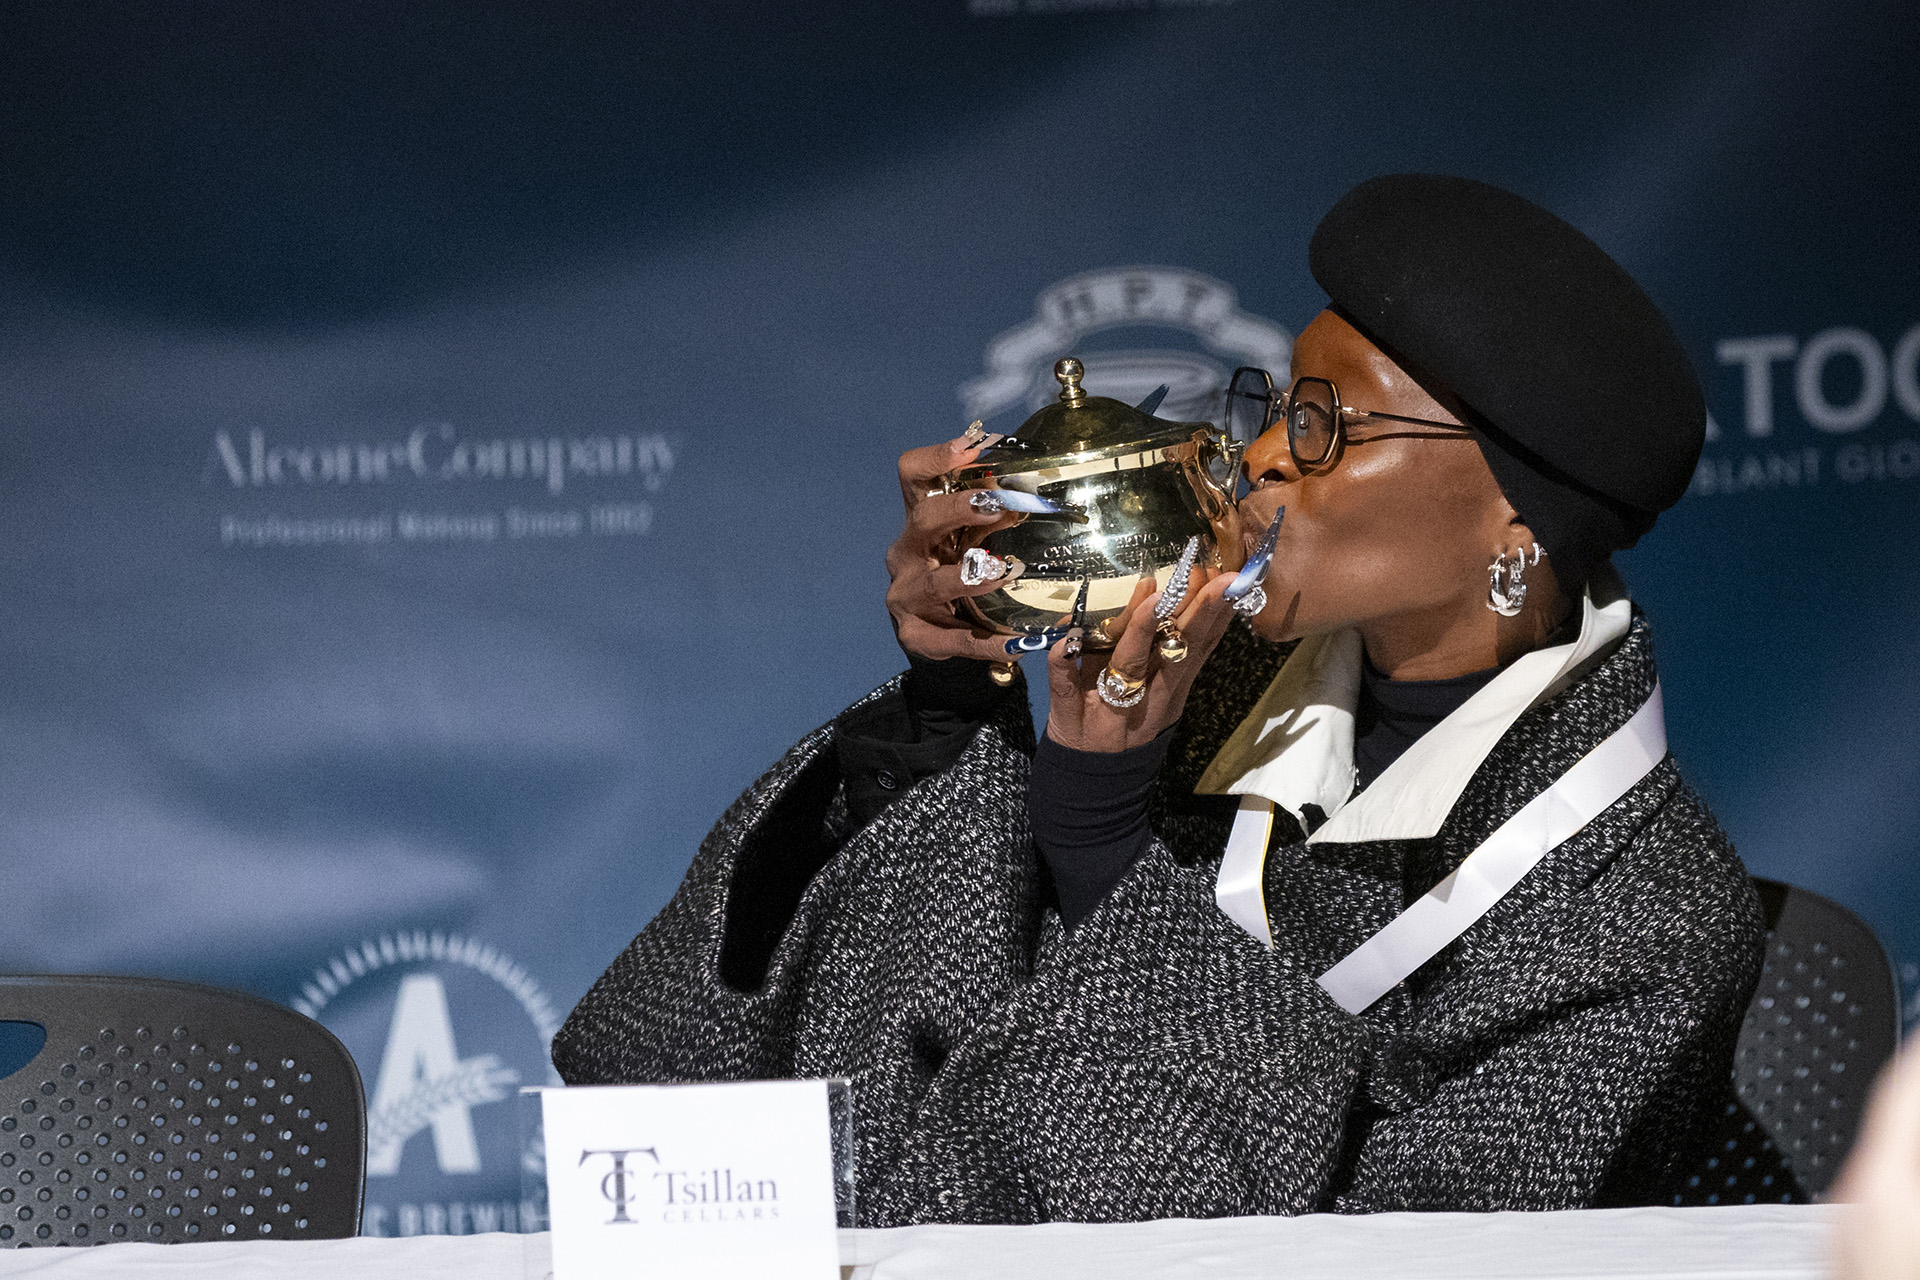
(1296, 747)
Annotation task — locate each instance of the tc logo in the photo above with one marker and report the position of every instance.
(614, 1185)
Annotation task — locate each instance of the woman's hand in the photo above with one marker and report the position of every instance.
(924, 560)
(1081, 719)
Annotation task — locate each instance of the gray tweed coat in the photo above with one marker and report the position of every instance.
(1158, 1062)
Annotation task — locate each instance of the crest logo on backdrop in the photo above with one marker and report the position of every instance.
(446, 1029)
(1194, 310)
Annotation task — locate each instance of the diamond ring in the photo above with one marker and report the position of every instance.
(980, 565)
(1119, 692)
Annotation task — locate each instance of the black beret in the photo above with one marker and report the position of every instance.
(1583, 401)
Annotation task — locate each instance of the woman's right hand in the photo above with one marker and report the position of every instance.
(924, 560)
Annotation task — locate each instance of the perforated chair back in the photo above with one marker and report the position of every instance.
(1823, 1020)
(166, 1111)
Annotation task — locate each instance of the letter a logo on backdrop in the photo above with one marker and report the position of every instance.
(1184, 308)
(445, 1030)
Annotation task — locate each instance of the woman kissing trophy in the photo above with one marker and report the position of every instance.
(1350, 873)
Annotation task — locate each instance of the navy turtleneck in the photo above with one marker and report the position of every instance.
(1393, 714)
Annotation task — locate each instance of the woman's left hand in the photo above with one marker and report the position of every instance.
(1081, 719)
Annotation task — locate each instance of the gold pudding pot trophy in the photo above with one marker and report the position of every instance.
(1132, 490)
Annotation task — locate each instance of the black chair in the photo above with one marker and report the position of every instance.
(165, 1111)
(1822, 1022)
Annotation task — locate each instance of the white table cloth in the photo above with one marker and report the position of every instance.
(1772, 1242)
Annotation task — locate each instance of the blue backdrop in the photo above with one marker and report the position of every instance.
(446, 452)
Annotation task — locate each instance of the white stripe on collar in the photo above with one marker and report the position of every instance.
(1296, 747)
(1593, 785)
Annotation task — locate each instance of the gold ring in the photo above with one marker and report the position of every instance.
(1171, 642)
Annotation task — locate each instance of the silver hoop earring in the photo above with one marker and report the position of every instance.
(1506, 591)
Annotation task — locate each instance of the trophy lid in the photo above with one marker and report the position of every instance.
(1078, 423)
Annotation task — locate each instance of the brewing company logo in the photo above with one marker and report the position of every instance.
(446, 1029)
(1186, 307)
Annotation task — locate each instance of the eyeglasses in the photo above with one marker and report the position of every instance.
(1318, 425)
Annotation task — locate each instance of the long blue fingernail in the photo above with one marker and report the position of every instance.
(996, 500)
(1255, 570)
(1038, 642)
(1250, 576)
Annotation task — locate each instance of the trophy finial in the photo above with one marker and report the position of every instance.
(1070, 371)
